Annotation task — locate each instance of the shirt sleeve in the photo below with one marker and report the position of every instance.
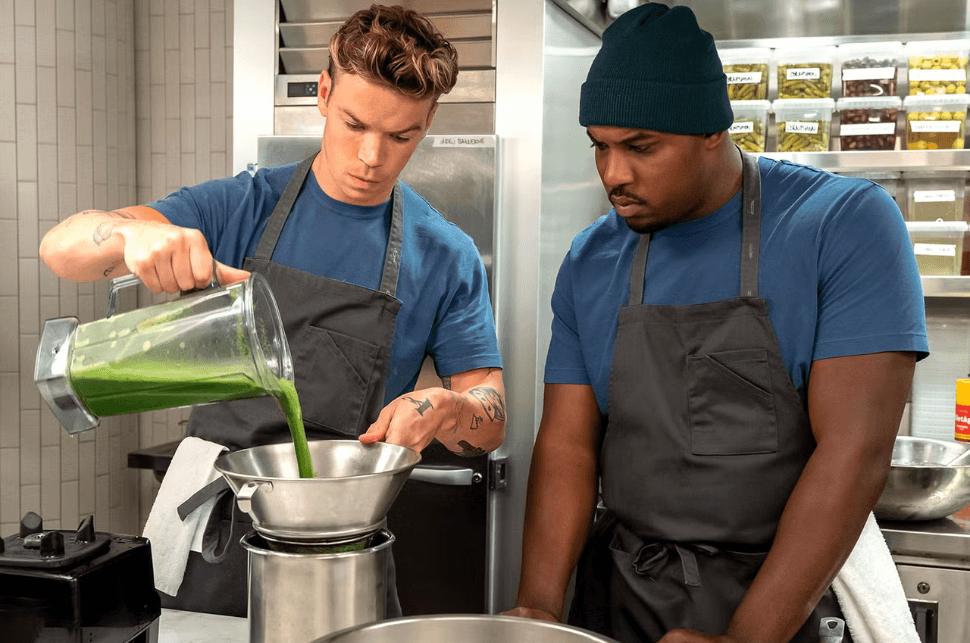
(564, 361)
(870, 294)
(463, 337)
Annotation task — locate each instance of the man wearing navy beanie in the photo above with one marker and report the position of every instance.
(732, 347)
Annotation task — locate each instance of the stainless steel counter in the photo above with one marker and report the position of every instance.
(934, 543)
(176, 626)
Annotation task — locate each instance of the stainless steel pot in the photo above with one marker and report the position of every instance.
(352, 493)
(922, 485)
(296, 597)
(467, 629)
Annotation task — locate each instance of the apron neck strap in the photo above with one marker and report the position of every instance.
(274, 227)
(750, 224)
(750, 236)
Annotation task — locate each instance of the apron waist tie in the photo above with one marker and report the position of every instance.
(651, 556)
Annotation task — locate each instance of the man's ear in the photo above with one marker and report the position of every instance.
(324, 86)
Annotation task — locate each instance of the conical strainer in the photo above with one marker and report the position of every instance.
(356, 485)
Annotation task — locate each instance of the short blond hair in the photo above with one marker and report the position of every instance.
(395, 47)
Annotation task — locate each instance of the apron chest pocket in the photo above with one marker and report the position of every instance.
(732, 407)
(334, 375)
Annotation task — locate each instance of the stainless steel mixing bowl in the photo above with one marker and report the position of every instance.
(467, 629)
(921, 485)
(352, 493)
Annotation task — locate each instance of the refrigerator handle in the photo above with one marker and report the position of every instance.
(438, 474)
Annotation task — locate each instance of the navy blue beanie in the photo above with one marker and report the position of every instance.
(657, 70)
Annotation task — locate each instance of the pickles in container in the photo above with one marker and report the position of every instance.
(747, 72)
(805, 73)
(750, 128)
(803, 124)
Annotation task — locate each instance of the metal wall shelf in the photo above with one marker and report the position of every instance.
(946, 286)
(930, 161)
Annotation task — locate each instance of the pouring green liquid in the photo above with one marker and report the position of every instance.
(146, 364)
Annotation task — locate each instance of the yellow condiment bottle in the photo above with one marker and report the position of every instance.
(962, 425)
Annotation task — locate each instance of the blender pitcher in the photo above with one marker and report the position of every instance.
(221, 343)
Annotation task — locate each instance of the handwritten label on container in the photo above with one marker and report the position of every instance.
(801, 127)
(744, 127)
(464, 141)
(803, 73)
(868, 129)
(869, 73)
(935, 126)
(935, 249)
(744, 78)
(934, 196)
(952, 75)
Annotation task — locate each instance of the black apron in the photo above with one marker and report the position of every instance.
(340, 336)
(705, 440)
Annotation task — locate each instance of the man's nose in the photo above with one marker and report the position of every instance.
(371, 151)
(615, 170)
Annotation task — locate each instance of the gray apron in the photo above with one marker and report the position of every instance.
(705, 440)
(340, 336)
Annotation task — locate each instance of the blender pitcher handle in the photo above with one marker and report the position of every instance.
(116, 285)
(133, 280)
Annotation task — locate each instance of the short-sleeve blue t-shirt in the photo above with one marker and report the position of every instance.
(836, 267)
(445, 312)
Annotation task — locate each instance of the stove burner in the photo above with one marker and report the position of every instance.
(56, 549)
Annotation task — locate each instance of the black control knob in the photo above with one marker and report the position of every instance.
(31, 523)
(85, 531)
(52, 544)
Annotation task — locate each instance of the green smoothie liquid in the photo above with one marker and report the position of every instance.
(290, 404)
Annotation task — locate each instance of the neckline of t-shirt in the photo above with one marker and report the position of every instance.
(340, 208)
(727, 212)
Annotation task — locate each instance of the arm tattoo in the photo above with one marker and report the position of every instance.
(110, 269)
(468, 450)
(102, 233)
(491, 401)
(476, 422)
(446, 382)
(421, 406)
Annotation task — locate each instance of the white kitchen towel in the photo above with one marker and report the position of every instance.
(870, 593)
(170, 537)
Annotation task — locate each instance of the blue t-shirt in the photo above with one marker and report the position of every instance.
(442, 285)
(836, 267)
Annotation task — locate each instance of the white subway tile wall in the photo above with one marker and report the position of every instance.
(103, 104)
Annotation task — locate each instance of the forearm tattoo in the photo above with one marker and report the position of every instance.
(468, 450)
(103, 232)
(491, 401)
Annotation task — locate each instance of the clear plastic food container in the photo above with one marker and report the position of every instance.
(935, 122)
(937, 198)
(750, 128)
(803, 124)
(868, 123)
(937, 66)
(870, 68)
(938, 246)
(805, 73)
(747, 72)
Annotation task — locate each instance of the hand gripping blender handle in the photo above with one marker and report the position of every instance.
(132, 280)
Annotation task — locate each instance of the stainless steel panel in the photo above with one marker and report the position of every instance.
(473, 86)
(753, 19)
(949, 589)
(312, 60)
(318, 34)
(316, 11)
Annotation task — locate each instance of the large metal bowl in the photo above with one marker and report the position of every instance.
(921, 486)
(464, 628)
(351, 495)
